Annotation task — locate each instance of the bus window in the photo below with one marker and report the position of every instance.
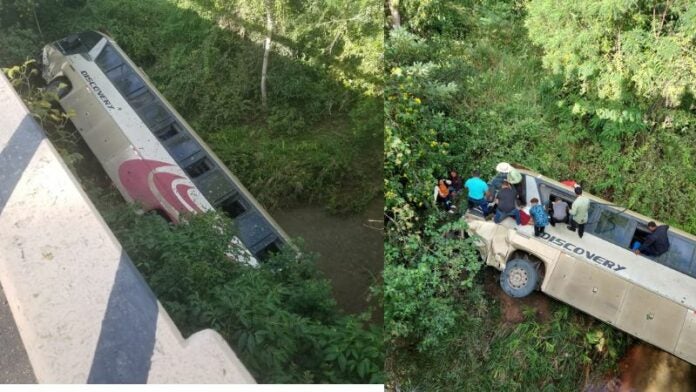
(199, 167)
(679, 255)
(612, 227)
(232, 206)
(267, 251)
(692, 269)
(153, 114)
(561, 197)
(125, 80)
(168, 132)
(141, 100)
(214, 186)
(183, 149)
(108, 59)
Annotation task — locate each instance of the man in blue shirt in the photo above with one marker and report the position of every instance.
(477, 191)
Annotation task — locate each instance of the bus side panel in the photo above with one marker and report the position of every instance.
(652, 318)
(686, 346)
(98, 130)
(586, 287)
(105, 139)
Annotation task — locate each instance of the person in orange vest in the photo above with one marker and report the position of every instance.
(443, 197)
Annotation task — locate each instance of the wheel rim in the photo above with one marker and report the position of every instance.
(518, 278)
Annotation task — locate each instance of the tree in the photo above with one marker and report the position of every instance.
(268, 5)
(626, 59)
(395, 21)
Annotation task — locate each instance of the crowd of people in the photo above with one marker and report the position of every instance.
(504, 196)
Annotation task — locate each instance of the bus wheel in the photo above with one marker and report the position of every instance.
(60, 86)
(519, 278)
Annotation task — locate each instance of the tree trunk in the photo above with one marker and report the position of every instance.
(395, 16)
(266, 52)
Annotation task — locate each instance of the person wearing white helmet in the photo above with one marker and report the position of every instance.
(516, 179)
(494, 185)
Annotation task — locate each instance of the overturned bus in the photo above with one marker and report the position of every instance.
(653, 299)
(148, 150)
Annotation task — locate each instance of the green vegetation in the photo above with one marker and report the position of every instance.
(280, 318)
(318, 138)
(605, 99)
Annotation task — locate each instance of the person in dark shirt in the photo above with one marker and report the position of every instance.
(457, 184)
(506, 204)
(656, 243)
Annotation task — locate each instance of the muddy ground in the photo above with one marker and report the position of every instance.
(643, 368)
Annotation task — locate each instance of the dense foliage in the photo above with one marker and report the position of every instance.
(467, 87)
(317, 141)
(280, 318)
(627, 99)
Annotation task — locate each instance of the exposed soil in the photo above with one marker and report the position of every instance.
(512, 309)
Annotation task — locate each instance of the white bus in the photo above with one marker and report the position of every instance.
(652, 298)
(148, 150)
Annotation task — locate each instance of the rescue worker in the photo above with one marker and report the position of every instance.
(516, 180)
(558, 210)
(477, 191)
(502, 169)
(656, 243)
(579, 212)
(506, 204)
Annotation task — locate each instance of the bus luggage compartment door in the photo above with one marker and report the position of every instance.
(652, 318)
(586, 287)
(686, 346)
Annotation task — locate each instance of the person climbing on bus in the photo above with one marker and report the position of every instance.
(579, 212)
(442, 196)
(558, 210)
(540, 217)
(656, 243)
(456, 186)
(506, 204)
(477, 191)
(502, 170)
(515, 179)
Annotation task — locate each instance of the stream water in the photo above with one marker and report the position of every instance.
(645, 368)
(351, 249)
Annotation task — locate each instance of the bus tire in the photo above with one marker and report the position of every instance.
(60, 90)
(519, 278)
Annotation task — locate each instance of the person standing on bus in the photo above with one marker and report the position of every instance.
(579, 212)
(506, 204)
(541, 218)
(656, 243)
(558, 210)
(477, 192)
